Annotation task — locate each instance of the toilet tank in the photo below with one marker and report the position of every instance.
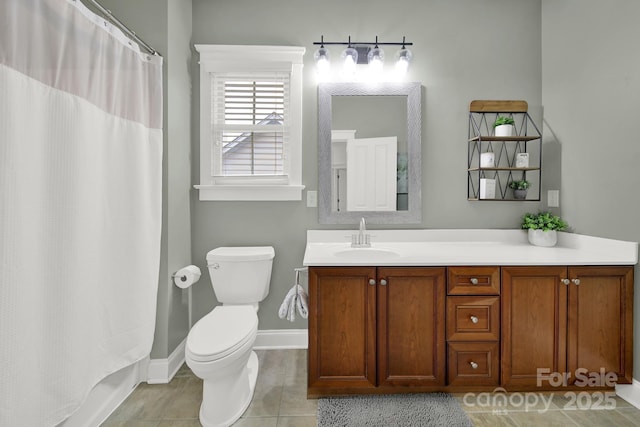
(241, 274)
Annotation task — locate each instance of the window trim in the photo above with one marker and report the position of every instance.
(239, 58)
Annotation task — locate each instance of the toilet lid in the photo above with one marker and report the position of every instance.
(240, 253)
(222, 332)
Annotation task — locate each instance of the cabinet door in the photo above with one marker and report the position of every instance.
(342, 325)
(411, 327)
(600, 321)
(534, 316)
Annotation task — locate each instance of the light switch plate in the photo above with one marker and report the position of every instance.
(553, 198)
(312, 199)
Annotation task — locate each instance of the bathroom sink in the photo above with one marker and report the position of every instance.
(366, 253)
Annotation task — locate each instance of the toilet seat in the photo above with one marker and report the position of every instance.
(221, 332)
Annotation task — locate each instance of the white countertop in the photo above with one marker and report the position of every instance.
(463, 247)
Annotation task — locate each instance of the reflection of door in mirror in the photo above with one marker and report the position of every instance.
(369, 118)
(372, 174)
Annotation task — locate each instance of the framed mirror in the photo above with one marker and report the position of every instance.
(369, 153)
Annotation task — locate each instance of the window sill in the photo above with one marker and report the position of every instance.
(249, 192)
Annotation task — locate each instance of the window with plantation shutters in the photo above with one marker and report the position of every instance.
(250, 122)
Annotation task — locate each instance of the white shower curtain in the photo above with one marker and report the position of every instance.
(80, 206)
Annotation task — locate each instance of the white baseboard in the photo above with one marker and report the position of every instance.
(630, 392)
(161, 371)
(281, 339)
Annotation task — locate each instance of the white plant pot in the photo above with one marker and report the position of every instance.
(543, 238)
(503, 130)
(487, 160)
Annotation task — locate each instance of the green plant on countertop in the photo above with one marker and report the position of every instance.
(503, 120)
(544, 221)
(522, 184)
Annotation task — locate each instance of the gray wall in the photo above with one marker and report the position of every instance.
(166, 26)
(591, 87)
(576, 57)
(463, 50)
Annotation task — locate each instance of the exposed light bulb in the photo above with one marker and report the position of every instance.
(323, 65)
(403, 58)
(376, 62)
(350, 57)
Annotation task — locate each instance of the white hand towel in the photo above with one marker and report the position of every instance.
(291, 309)
(302, 301)
(283, 312)
(296, 299)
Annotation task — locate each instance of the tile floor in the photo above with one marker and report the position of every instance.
(280, 401)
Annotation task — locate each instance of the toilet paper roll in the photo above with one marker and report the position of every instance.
(187, 276)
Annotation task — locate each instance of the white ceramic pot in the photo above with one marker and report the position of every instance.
(503, 130)
(543, 238)
(487, 160)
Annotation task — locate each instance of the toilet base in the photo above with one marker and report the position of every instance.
(233, 399)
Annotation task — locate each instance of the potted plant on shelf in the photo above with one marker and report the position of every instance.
(542, 228)
(519, 188)
(503, 126)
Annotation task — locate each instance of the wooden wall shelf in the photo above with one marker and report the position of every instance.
(526, 138)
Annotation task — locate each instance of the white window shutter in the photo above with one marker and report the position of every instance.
(250, 124)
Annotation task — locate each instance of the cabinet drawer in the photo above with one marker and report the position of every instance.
(473, 363)
(473, 281)
(473, 318)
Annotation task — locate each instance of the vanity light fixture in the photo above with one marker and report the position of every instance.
(362, 53)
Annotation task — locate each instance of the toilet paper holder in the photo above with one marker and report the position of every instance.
(186, 276)
(182, 277)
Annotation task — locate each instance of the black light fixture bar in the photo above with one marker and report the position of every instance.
(349, 43)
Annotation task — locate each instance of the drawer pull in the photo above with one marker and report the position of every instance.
(383, 282)
(473, 281)
(372, 282)
(474, 319)
(576, 281)
(566, 281)
(474, 365)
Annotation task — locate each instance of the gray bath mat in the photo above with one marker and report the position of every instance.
(423, 409)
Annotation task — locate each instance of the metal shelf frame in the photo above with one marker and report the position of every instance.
(481, 139)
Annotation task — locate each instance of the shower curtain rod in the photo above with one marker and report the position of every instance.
(108, 15)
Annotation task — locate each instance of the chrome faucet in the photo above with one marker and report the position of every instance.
(362, 239)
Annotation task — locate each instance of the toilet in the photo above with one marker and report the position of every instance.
(219, 346)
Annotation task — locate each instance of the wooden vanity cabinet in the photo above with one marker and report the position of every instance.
(375, 328)
(410, 329)
(565, 318)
